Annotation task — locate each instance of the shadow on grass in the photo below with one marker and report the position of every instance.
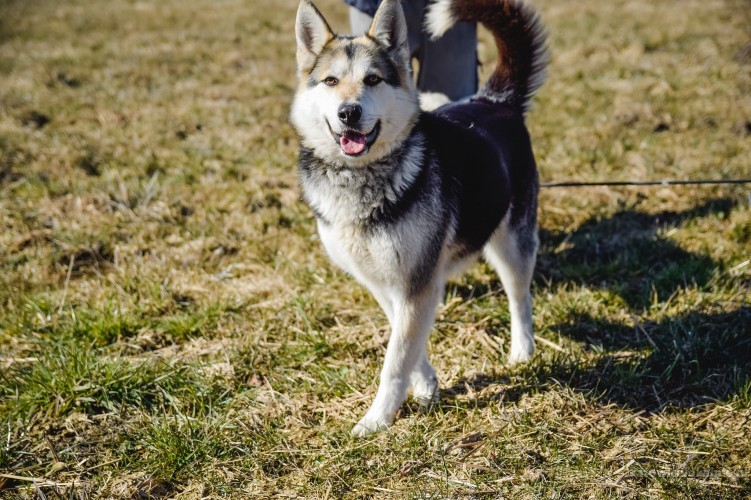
(627, 254)
(677, 362)
(673, 364)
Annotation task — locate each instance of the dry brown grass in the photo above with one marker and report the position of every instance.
(169, 325)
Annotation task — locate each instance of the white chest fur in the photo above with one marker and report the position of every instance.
(377, 256)
(348, 202)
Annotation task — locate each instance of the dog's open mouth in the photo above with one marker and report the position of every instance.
(355, 143)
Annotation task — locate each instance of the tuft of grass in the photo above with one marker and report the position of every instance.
(76, 377)
(167, 446)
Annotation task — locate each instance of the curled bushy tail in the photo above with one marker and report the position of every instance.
(519, 37)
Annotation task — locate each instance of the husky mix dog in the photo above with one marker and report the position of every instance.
(405, 199)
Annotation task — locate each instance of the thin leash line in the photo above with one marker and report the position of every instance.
(664, 182)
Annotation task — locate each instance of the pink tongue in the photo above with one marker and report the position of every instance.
(352, 144)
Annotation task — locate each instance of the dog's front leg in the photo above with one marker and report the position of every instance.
(406, 359)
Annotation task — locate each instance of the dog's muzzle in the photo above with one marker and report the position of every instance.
(353, 142)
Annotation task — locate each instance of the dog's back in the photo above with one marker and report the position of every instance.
(485, 158)
(483, 142)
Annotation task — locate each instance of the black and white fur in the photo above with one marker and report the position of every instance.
(428, 192)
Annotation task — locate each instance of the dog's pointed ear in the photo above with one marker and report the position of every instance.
(312, 32)
(390, 28)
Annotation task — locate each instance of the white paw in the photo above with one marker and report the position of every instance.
(521, 354)
(368, 425)
(428, 401)
(426, 392)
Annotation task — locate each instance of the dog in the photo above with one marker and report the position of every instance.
(405, 199)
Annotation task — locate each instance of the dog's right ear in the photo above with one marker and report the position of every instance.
(389, 27)
(313, 33)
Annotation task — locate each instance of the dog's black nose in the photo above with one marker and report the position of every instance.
(350, 114)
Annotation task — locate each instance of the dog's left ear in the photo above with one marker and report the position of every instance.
(312, 32)
(390, 28)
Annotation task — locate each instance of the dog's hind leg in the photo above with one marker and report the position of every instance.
(511, 251)
(406, 360)
(424, 381)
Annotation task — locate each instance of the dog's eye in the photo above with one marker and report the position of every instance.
(330, 81)
(372, 80)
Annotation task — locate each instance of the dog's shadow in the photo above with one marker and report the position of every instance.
(628, 254)
(676, 362)
(679, 362)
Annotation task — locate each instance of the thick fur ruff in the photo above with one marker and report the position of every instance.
(404, 199)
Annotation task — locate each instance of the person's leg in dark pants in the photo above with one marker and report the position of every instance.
(447, 65)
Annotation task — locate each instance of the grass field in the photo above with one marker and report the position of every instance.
(170, 325)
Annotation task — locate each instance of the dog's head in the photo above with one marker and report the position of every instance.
(356, 101)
